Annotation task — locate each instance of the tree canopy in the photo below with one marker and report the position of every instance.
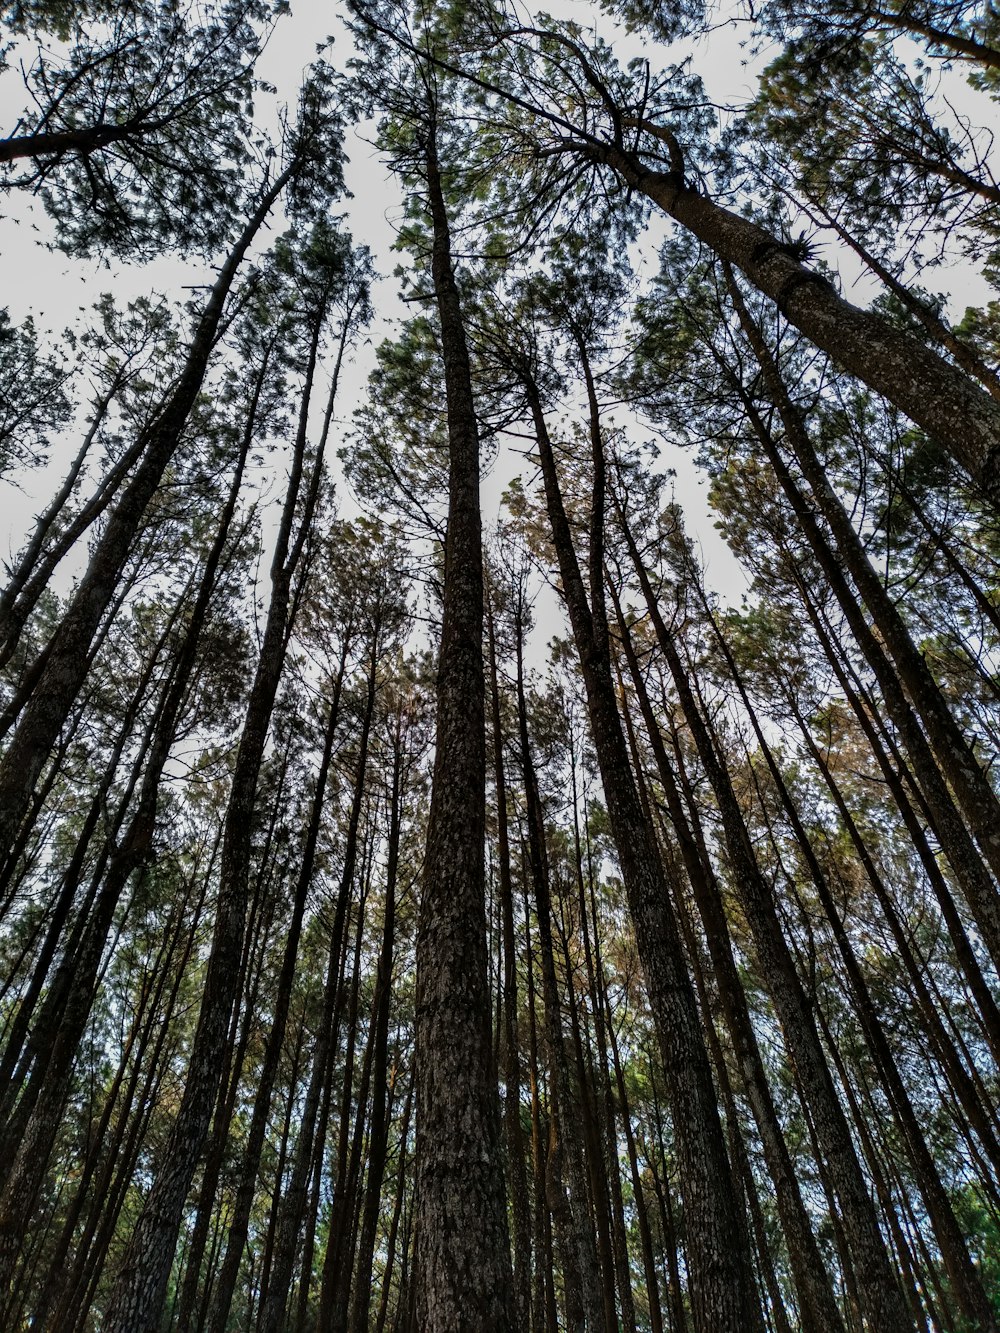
(499, 823)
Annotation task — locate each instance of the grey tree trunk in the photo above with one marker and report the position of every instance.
(934, 393)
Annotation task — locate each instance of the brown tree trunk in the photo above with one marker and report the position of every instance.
(66, 655)
(463, 1261)
(566, 1190)
(511, 1058)
(895, 770)
(954, 754)
(966, 1285)
(222, 1293)
(885, 1305)
(292, 1207)
(977, 883)
(720, 1275)
(379, 1120)
(136, 1304)
(818, 1308)
(936, 395)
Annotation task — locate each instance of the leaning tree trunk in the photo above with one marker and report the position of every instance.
(959, 765)
(66, 656)
(817, 1307)
(969, 1293)
(885, 1306)
(934, 393)
(139, 1293)
(720, 1273)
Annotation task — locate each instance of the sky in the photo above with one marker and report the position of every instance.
(58, 291)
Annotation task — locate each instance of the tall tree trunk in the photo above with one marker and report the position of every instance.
(463, 1260)
(511, 1057)
(566, 1189)
(291, 1209)
(818, 1309)
(67, 1007)
(937, 395)
(885, 1304)
(954, 754)
(638, 1189)
(222, 1294)
(35, 563)
(978, 885)
(968, 1289)
(899, 780)
(66, 655)
(138, 1297)
(378, 1136)
(720, 1275)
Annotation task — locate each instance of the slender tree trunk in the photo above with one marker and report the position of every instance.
(566, 1190)
(378, 1136)
(968, 780)
(291, 1209)
(543, 1311)
(885, 1306)
(818, 1309)
(968, 1290)
(638, 1189)
(977, 883)
(463, 1262)
(337, 1261)
(720, 1274)
(894, 769)
(14, 610)
(975, 1107)
(397, 1212)
(225, 1284)
(63, 1017)
(67, 653)
(137, 1300)
(511, 1058)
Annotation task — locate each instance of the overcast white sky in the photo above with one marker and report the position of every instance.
(58, 291)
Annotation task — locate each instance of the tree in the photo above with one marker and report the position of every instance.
(138, 133)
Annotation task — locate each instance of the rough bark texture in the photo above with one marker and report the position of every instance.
(66, 657)
(463, 1264)
(139, 1293)
(818, 1308)
(566, 1190)
(721, 1283)
(933, 393)
(954, 754)
(885, 1306)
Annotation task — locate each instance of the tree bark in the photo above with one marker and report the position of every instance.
(66, 656)
(463, 1261)
(885, 1305)
(721, 1284)
(935, 394)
